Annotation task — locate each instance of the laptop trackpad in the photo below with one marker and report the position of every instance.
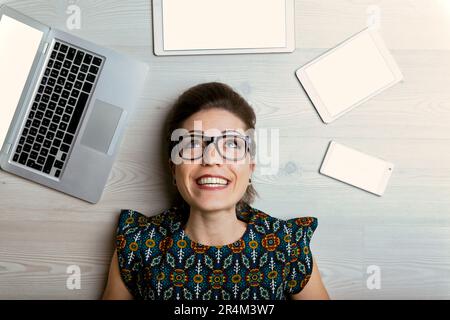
(101, 126)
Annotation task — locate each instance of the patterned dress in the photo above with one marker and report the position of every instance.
(158, 261)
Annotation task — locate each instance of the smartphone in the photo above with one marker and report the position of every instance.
(356, 168)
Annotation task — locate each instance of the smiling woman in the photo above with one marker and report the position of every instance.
(211, 244)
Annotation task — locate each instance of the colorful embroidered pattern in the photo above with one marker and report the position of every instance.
(158, 261)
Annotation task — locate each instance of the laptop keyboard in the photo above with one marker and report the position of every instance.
(57, 108)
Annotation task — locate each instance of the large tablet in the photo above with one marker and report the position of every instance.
(182, 27)
(349, 74)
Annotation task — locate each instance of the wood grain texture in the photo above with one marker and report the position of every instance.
(406, 232)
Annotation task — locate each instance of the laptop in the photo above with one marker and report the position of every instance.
(64, 104)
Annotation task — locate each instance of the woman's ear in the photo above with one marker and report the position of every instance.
(172, 167)
(252, 167)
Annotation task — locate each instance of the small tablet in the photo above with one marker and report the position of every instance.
(356, 168)
(349, 74)
(182, 27)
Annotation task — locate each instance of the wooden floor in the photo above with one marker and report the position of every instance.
(406, 233)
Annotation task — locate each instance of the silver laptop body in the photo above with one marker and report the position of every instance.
(71, 123)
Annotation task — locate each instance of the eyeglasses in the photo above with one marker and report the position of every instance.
(232, 147)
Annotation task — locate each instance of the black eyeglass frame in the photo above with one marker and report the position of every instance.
(214, 139)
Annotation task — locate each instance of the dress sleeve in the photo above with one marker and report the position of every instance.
(300, 264)
(128, 243)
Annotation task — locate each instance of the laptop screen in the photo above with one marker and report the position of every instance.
(19, 44)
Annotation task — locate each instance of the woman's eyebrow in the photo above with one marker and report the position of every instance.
(234, 131)
(196, 131)
(223, 132)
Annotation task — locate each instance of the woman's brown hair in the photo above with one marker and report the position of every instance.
(212, 95)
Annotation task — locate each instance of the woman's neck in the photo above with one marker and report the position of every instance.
(214, 228)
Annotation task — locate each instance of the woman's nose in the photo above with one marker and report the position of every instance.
(211, 155)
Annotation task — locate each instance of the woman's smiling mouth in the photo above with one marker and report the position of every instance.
(210, 182)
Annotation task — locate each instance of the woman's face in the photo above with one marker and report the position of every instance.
(213, 183)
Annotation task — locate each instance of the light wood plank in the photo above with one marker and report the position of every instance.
(405, 232)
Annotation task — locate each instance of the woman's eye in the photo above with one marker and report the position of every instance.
(193, 144)
(232, 143)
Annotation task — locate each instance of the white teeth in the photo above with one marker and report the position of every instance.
(214, 182)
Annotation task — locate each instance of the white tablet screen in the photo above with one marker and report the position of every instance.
(350, 74)
(224, 24)
(18, 46)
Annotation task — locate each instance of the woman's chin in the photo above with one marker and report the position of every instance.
(213, 204)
